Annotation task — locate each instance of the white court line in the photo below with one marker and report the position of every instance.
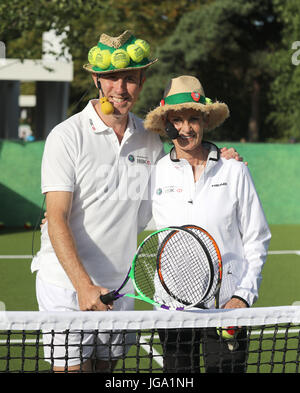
(15, 256)
(145, 344)
(157, 357)
(284, 252)
(280, 252)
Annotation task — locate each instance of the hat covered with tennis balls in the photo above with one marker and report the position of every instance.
(114, 54)
(185, 92)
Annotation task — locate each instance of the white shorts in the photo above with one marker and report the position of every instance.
(64, 350)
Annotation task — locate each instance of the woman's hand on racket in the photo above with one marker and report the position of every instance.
(89, 298)
(235, 303)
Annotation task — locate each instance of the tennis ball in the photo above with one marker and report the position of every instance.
(135, 52)
(27, 225)
(120, 58)
(102, 59)
(106, 107)
(144, 45)
(227, 333)
(92, 54)
(1, 224)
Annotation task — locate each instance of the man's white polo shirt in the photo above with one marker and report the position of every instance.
(225, 203)
(83, 156)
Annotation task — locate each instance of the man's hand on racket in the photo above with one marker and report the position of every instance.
(89, 298)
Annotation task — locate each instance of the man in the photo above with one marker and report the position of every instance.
(93, 164)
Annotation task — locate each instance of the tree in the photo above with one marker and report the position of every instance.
(240, 50)
(24, 21)
(284, 94)
(226, 44)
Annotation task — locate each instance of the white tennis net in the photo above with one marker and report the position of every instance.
(152, 341)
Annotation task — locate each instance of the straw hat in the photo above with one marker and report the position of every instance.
(185, 92)
(133, 52)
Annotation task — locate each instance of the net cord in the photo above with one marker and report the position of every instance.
(34, 320)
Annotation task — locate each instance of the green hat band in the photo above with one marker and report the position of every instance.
(182, 98)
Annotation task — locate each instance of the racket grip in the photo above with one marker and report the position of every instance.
(108, 297)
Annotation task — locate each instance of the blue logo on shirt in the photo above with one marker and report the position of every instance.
(131, 158)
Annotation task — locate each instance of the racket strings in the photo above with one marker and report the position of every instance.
(173, 268)
(184, 267)
(145, 267)
(215, 256)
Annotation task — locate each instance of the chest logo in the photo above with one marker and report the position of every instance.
(169, 190)
(92, 125)
(139, 159)
(131, 158)
(219, 184)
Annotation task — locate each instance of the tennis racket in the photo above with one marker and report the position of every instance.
(172, 269)
(229, 332)
(216, 259)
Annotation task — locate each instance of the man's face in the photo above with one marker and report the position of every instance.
(122, 89)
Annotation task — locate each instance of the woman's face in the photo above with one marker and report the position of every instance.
(189, 124)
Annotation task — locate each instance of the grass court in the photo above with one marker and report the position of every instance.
(280, 285)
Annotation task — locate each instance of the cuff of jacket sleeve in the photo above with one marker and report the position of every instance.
(240, 298)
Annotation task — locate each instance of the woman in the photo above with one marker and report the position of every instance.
(194, 185)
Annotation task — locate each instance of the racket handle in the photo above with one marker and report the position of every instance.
(108, 297)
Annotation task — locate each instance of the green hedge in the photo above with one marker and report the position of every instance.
(20, 173)
(274, 167)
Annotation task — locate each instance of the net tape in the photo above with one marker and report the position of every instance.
(271, 342)
(30, 320)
